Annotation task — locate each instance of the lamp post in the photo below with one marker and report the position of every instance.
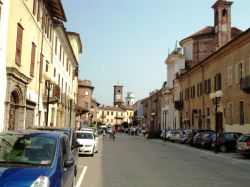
(216, 100)
(166, 119)
(49, 81)
(71, 98)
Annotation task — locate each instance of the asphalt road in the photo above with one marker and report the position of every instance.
(133, 161)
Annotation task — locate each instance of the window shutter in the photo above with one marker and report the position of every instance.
(32, 61)
(41, 68)
(19, 41)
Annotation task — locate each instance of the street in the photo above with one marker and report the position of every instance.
(133, 161)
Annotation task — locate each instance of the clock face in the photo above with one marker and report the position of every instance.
(118, 97)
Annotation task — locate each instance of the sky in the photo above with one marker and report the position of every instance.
(126, 42)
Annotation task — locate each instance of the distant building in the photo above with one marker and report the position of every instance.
(118, 94)
(130, 99)
(84, 101)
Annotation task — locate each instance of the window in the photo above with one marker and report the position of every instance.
(67, 65)
(60, 53)
(34, 7)
(32, 61)
(38, 10)
(217, 82)
(187, 94)
(41, 68)
(59, 78)
(199, 89)
(47, 66)
(86, 93)
(193, 92)
(86, 104)
(239, 72)
(56, 46)
(229, 76)
(19, 41)
(242, 121)
(54, 72)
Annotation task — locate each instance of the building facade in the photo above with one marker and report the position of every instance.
(84, 102)
(40, 68)
(4, 11)
(229, 50)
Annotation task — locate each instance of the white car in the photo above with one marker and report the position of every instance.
(88, 141)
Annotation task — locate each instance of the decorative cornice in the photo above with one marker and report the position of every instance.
(13, 72)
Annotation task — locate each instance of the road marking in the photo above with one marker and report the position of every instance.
(79, 182)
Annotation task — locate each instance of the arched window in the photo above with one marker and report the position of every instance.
(224, 13)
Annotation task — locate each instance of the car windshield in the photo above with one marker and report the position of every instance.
(27, 149)
(82, 135)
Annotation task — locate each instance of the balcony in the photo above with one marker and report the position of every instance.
(245, 84)
(54, 95)
(119, 117)
(178, 105)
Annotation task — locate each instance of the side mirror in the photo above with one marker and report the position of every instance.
(69, 163)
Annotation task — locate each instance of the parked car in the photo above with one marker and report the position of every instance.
(71, 133)
(168, 134)
(227, 141)
(207, 140)
(197, 140)
(163, 133)
(243, 145)
(184, 136)
(174, 136)
(35, 158)
(88, 141)
(193, 133)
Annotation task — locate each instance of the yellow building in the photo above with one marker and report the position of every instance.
(32, 33)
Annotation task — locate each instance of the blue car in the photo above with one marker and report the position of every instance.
(33, 158)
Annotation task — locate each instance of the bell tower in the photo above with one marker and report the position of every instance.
(118, 94)
(222, 22)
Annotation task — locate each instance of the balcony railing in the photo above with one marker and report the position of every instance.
(119, 117)
(54, 95)
(178, 104)
(245, 84)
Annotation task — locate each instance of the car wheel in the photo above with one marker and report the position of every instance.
(223, 148)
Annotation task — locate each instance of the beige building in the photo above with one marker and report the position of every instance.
(41, 46)
(4, 11)
(111, 115)
(222, 63)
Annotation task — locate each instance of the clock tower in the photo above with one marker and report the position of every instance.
(222, 22)
(118, 94)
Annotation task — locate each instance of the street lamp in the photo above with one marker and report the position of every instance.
(49, 81)
(71, 98)
(216, 100)
(166, 119)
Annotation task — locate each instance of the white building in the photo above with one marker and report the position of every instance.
(130, 99)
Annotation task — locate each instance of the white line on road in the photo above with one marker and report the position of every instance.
(79, 182)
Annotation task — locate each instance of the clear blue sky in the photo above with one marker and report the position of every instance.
(128, 40)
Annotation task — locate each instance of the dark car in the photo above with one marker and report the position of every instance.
(36, 158)
(207, 140)
(194, 132)
(226, 141)
(243, 145)
(71, 133)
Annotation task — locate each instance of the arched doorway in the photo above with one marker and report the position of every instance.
(14, 100)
